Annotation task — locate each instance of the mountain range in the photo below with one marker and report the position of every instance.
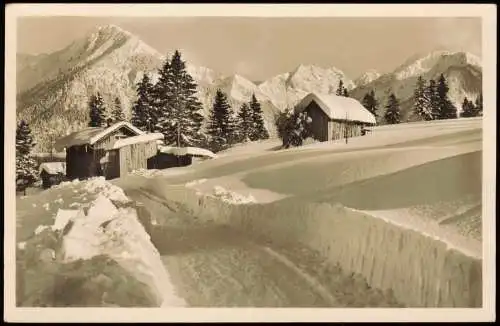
(53, 89)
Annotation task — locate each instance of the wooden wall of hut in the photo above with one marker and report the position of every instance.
(135, 157)
(340, 128)
(319, 122)
(100, 148)
(79, 162)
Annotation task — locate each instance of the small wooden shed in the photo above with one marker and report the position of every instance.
(52, 173)
(170, 156)
(129, 154)
(335, 117)
(86, 148)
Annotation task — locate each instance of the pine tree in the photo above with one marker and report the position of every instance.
(421, 106)
(177, 108)
(433, 98)
(97, 112)
(392, 113)
(143, 110)
(468, 109)
(292, 127)
(245, 122)
(221, 127)
(26, 166)
(479, 105)
(446, 109)
(117, 112)
(345, 93)
(259, 131)
(340, 88)
(370, 103)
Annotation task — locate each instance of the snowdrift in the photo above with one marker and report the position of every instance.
(420, 270)
(110, 235)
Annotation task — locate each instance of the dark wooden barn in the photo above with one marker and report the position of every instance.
(86, 148)
(129, 154)
(335, 117)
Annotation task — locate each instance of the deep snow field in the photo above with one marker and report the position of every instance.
(392, 218)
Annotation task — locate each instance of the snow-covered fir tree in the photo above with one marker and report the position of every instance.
(479, 104)
(433, 98)
(221, 125)
(421, 106)
(26, 166)
(340, 88)
(117, 112)
(370, 103)
(292, 127)
(97, 111)
(177, 108)
(393, 112)
(244, 123)
(468, 109)
(446, 108)
(259, 130)
(143, 115)
(345, 93)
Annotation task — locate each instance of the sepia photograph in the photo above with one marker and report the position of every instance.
(249, 159)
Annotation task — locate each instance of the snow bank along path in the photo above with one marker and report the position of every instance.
(421, 271)
(116, 232)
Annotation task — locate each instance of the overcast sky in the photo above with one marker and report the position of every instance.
(259, 48)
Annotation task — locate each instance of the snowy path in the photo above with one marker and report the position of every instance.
(214, 265)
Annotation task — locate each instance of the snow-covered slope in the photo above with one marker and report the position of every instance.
(462, 70)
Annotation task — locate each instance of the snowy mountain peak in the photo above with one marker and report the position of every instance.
(418, 66)
(367, 77)
(311, 78)
(111, 31)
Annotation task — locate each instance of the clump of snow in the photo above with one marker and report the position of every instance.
(21, 245)
(59, 201)
(46, 206)
(119, 234)
(65, 184)
(100, 185)
(232, 197)
(34, 205)
(195, 182)
(145, 173)
(41, 228)
(63, 217)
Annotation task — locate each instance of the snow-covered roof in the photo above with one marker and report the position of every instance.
(53, 167)
(338, 107)
(137, 139)
(92, 135)
(181, 151)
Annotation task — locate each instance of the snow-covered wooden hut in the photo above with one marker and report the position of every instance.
(52, 173)
(86, 148)
(129, 154)
(334, 117)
